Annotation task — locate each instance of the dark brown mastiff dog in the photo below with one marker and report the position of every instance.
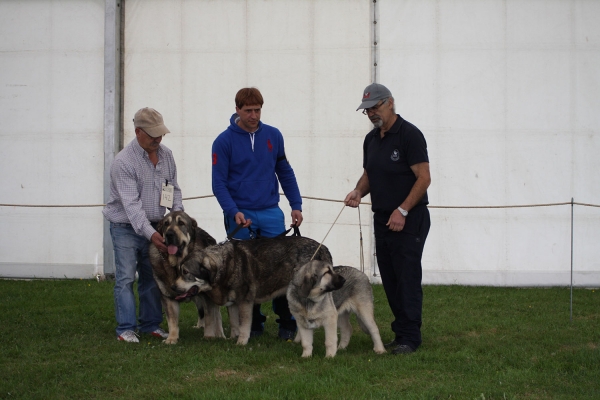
(182, 237)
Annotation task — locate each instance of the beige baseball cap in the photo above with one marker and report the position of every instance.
(150, 121)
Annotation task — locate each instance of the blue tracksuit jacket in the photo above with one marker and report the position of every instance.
(247, 169)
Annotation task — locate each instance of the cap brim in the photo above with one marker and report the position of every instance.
(367, 104)
(156, 131)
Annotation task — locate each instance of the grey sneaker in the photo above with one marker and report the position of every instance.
(160, 333)
(128, 336)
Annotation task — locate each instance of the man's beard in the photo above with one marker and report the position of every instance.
(378, 123)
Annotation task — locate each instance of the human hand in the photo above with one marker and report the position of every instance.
(240, 219)
(353, 199)
(396, 221)
(297, 218)
(159, 242)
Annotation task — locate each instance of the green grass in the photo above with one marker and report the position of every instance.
(58, 341)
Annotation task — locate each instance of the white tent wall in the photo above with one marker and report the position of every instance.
(506, 93)
(51, 137)
(311, 61)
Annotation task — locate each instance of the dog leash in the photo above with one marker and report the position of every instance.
(236, 230)
(362, 255)
(320, 244)
(296, 232)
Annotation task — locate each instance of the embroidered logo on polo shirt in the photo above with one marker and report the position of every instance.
(395, 155)
(269, 145)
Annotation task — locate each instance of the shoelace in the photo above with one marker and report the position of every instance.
(127, 334)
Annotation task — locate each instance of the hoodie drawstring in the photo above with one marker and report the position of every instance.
(252, 139)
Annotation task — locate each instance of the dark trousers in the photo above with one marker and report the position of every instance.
(399, 261)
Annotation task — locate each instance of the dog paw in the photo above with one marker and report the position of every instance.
(380, 351)
(170, 341)
(306, 355)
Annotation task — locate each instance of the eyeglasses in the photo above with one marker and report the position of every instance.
(374, 108)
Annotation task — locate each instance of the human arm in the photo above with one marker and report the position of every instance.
(177, 197)
(361, 190)
(220, 172)
(421, 170)
(289, 185)
(128, 188)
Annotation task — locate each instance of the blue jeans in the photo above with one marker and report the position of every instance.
(269, 222)
(131, 255)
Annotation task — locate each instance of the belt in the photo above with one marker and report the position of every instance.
(128, 225)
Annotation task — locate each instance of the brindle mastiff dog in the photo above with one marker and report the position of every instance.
(247, 272)
(322, 295)
(182, 238)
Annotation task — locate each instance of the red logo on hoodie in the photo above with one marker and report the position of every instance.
(214, 158)
(269, 145)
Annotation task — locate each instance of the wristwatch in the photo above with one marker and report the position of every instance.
(403, 211)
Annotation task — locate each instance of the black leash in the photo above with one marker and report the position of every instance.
(296, 232)
(256, 235)
(236, 230)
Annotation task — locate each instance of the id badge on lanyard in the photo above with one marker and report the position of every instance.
(166, 196)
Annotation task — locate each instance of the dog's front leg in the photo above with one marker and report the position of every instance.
(245, 311)
(201, 307)
(172, 310)
(306, 337)
(330, 325)
(213, 322)
(234, 321)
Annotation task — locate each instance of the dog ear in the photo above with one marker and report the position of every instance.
(204, 274)
(214, 267)
(159, 226)
(194, 223)
(308, 283)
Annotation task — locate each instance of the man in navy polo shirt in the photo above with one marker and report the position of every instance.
(396, 173)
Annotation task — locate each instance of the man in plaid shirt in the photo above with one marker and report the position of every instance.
(143, 184)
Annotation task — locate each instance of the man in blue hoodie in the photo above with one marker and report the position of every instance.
(248, 165)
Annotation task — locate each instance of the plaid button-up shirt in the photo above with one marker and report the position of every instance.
(136, 185)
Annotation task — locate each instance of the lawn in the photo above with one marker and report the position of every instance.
(478, 343)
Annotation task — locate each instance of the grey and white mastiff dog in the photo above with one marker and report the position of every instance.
(323, 295)
(241, 273)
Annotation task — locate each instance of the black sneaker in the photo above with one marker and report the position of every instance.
(391, 344)
(256, 333)
(403, 349)
(287, 335)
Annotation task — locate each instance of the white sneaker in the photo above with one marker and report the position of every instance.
(160, 333)
(128, 336)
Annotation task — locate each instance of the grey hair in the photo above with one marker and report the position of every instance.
(394, 105)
